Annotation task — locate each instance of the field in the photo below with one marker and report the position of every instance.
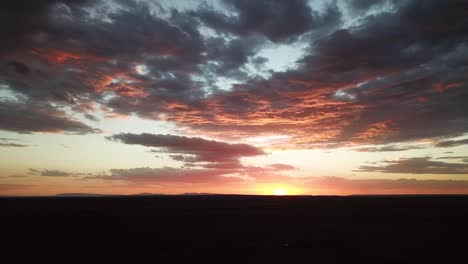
(230, 228)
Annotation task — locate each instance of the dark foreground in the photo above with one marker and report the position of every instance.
(236, 229)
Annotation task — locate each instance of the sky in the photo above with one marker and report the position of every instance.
(234, 96)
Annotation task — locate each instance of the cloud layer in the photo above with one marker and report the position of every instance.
(452, 143)
(337, 185)
(350, 87)
(54, 173)
(192, 150)
(11, 142)
(417, 166)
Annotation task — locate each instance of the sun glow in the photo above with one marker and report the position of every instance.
(280, 192)
(277, 189)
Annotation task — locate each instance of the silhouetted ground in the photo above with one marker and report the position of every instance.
(162, 229)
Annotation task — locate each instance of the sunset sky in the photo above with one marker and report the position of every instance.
(234, 96)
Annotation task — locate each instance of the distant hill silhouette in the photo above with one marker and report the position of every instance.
(136, 194)
(84, 194)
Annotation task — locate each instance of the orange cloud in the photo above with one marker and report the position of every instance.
(61, 57)
(444, 87)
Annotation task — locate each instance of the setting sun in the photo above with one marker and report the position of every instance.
(277, 189)
(280, 192)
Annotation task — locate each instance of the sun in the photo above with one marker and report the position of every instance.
(278, 189)
(280, 192)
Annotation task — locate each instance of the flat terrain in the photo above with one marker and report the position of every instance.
(228, 228)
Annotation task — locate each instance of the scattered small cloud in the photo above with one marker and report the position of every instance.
(12, 142)
(422, 165)
(453, 158)
(13, 145)
(282, 167)
(338, 185)
(451, 143)
(166, 175)
(386, 148)
(54, 173)
(18, 176)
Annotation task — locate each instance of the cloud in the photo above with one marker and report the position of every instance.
(210, 173)
(386, 148)
(341, 92)
(54, 173)
(29, 116)
(451, 143)
(356, 62)
(364, 4)
(267, 18)
(68, 56)
(417, 166)
(282, 167)
(346, 186)
(23, 22)
(204, 160)
(231, 56)
(453, 157)
(16, 145)
(11, 142)
(191, 149)
(168, 175)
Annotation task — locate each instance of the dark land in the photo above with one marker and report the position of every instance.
(234, 229)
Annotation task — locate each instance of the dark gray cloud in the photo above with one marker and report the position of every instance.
(359, 89)
(91, 117)
(364, 4)
(54, 173)
(277, 20)
(231, 55)
(3, 144)
(73, 57)
(29, 116)
(79, 51)
(21, 19)
(191, 150)
(212, 173)
(453, 157)
(327, 185)
(204, 160)
(12, 142)
(451, 143)
(413, 38)
(167, 175)
(386, 148)
(417, 166)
